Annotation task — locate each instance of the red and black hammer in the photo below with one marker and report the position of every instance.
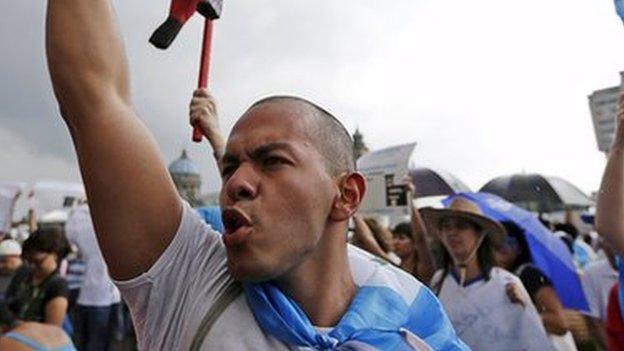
(179, 12)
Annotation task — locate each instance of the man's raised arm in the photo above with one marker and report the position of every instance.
(610, 208)
(134, 205)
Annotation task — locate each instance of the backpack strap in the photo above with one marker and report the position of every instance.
(231, 292)
(522, 267)
(438, 280)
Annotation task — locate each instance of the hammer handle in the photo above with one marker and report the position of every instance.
(204, 66)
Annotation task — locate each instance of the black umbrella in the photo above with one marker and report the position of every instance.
(538, 193)
(429, 182)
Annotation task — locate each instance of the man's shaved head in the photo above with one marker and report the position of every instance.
(330, 137)
(288, 174)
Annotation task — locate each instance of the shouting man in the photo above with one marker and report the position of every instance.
(282, 276)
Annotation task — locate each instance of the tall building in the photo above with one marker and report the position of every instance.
(359, 147)
(602, 104)
(187, 180)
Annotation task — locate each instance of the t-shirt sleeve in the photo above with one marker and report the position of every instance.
(533, 280)
(56, 288)
(192, 265)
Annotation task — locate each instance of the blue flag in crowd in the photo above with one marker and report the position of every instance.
(619, 8)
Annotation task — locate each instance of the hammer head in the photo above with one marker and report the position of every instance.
(210, 9)
(179, 13)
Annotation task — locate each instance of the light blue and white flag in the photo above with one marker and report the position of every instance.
(619, 8)
(391, 311)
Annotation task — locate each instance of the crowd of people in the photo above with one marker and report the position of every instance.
(58, 277)
(290, 263)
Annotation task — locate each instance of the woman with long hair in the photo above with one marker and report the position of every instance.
(472, 290)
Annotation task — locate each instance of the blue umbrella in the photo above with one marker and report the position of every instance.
(548, 252)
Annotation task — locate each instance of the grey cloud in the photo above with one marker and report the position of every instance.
(348, 55)
(260, 47)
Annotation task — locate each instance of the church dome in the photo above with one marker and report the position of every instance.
(183, 165)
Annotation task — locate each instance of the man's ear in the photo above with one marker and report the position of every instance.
(352, 188)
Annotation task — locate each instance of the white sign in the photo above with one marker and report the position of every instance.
(385, 171)
(602, 104)
(8, 195)
(50, 196)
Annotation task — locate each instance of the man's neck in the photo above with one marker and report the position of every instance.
(322, 285)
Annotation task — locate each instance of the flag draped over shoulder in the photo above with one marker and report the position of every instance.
(390, 311)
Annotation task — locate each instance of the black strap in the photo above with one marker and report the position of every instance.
(437, 286)
(231, 292)
(522, 267)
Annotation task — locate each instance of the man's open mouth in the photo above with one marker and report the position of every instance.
(237, 225)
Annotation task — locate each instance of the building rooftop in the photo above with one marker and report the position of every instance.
(183, 165)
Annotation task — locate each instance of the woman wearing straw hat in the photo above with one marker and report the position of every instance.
(474, 292)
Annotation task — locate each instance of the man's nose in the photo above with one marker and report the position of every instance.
(242, 185)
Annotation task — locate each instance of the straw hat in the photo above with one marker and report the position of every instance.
(464, 208)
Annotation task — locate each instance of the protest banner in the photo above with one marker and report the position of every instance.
(385, 171)
(54, 195)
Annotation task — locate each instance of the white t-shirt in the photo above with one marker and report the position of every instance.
(486, 320)
(169, 301)
(97, 288)
(598, 279)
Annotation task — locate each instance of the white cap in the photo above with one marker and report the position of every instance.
(10, 247)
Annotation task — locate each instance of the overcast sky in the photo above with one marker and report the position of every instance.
(485, 87)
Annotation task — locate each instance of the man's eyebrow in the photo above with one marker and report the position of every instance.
(262, 150)
(258, 152)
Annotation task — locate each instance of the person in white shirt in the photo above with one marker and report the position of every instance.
(281, 277)
(476, 294)
(598, 279)
(94, 316)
